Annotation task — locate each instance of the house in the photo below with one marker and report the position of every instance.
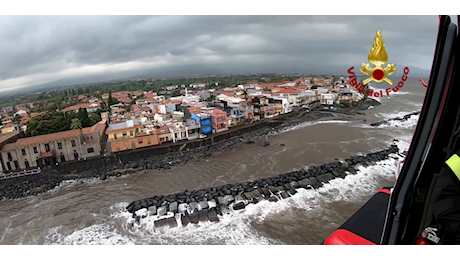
(129, 136)
(218, 119)
(235, 114)
(197, 85)
(90, 107)
(193, 126)
(248, 109)
(205, 123)
(53, 148)
(178, 130)
(6, 139)
(280, 104)
(328, 98)
(10, 127)
(164, 135)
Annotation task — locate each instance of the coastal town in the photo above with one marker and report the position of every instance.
(93, 125)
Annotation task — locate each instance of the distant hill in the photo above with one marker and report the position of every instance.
(203, 69)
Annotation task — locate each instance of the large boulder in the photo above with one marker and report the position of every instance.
(238, 205)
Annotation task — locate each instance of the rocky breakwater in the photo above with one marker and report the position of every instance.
(192, 207)
(404, 118)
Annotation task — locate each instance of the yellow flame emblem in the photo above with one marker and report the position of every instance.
(378, 56)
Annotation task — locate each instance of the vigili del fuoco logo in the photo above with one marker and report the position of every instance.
(378, 57)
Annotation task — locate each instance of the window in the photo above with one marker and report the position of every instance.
(117, 147)
(26, 163)
(60, 145)
(9, 157)
(23, 151)
(148, 140)
(162, 139)
(124, 134)
(131, 133)
(16, 165)
(73, 143)
(126, 144)
(8, 165)
(140, 141)
(47, 147)
(90, 150)
(75, 155)
(115, 136)
(62, 158)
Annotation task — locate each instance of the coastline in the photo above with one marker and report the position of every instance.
(165, 157)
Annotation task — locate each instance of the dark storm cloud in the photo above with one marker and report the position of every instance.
(38, 49)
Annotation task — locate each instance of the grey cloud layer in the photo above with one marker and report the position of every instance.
(47, 48)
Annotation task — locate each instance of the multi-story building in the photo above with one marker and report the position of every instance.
(53, 148)
(178, 130)
(218, 119)
(193, 127)
(129, 136)
(205, 123)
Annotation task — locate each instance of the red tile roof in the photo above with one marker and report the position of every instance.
(76, 107)
(288, 91)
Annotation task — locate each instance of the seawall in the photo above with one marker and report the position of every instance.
(192, 207)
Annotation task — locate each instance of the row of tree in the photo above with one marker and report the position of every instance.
(52, 122)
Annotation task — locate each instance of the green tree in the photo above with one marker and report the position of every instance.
(83, 117)
(46, 123)
(245, 93)
(79, 91)
(111, 100)
(73, 92)
(75, 124)
(16, 119)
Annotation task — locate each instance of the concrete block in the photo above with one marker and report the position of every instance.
(256, 193)
(173, 207)
(202, 205)
(212, 204)
(194, 218)
(203, 215)
(183, 208)
(229, 199)
(248, 196)
(152, 211)
(213, 216)
(193, 206)
(162, 211)
(284, 195)
(239, 198)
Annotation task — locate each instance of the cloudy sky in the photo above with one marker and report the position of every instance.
(41, 49)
